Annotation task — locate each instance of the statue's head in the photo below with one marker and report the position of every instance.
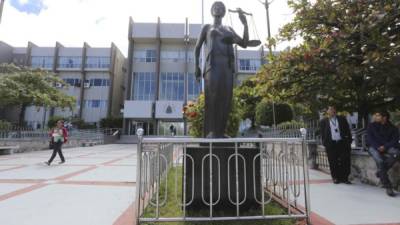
(218, 9)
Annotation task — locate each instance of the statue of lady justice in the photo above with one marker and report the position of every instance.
(219, 69)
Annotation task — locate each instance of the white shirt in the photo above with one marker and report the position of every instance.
(335, 131)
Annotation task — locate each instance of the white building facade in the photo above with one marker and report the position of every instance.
(95, 77)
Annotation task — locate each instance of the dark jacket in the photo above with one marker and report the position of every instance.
(325, 131)
(382, 135)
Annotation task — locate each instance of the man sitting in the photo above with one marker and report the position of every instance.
(383, 140)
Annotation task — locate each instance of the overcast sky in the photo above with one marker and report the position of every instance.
(100, 22)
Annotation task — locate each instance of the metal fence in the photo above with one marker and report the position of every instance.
(17, 133)
(162, 178)
(293, 131)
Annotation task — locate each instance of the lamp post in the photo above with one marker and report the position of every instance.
(266, 4)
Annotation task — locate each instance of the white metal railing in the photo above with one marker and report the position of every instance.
(283, 176)
(19, 133)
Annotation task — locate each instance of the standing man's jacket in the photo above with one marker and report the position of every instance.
(382, 135)
(325, 131)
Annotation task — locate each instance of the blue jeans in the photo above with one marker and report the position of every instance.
(385, 161)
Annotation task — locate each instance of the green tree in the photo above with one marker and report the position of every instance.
(111, 122)
(264, 114)
(52, 122)
(21, 86)
(349, 56)
(248, 95)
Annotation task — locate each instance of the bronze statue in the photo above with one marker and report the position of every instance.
(220, 68)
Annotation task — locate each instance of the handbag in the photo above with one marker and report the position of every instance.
(51, 144)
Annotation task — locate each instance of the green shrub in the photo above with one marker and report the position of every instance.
(194, 114)
(291, 124)
(111, 122)
(53, 121)
(264, 113)
(5, 125)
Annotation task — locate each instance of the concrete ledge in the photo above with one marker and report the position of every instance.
(363, 168)
(7, 149)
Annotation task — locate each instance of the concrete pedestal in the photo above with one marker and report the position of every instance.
(226, 178)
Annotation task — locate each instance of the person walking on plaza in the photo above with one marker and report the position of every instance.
(336, 137)
(383, 141)
(59, 136)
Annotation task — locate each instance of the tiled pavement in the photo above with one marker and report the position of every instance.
(355, 204)
(96, 186)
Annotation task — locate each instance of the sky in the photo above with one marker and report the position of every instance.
(100, 22)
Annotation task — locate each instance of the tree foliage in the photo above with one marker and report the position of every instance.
(111, 122)
(350, 56)
(21, 86)
(248, 95)
(264, 113)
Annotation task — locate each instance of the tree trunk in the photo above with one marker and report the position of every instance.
(363, 116)
(21, 119)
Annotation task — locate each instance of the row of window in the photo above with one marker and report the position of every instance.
(149, 55)
(70, 62)
(172, 86)
(97, 82)
(249, 64)
(96, 103)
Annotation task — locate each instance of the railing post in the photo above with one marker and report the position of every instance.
(139, 132)
(305, 174)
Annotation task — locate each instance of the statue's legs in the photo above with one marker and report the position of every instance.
(218, 99)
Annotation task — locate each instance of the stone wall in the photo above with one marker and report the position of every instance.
(27, 144)
(363, 168)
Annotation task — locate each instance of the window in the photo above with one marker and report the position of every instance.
(191, 57)
(173, 56)
(144, 86)
(95, 103)
(194, 87)
(70, 62)
(172, 86)
(146, 56)
(73, 82)
(97, 62)
(249, 64)
(42, 62)
(97, 82)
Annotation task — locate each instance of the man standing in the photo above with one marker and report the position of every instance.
(336, 137)
(383, 141)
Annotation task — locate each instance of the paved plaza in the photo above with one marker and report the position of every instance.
(97, 187)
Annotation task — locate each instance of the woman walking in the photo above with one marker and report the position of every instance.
(59, 136)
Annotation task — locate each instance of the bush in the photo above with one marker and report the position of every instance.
(80, 124)
(111, 122)
(5, 125)
(53, 121)
(77, 122)
(194, 114)
(264, 113)
(291, 124)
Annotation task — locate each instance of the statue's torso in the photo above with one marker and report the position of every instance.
(219, 45)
